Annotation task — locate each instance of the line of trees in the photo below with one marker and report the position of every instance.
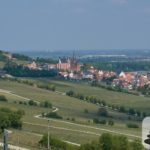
(21, 71)
(45, 104)
(94, 100)
(125, 66)
(41, 85)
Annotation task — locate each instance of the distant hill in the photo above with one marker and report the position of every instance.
(16, 58)
(21, 59)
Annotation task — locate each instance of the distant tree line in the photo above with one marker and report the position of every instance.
(21, 57)
(46, 86)
(122, 66)
(105, 142)
(94, 100)
(45, 60)
(9, 118)
(45, 104)
(21, 71)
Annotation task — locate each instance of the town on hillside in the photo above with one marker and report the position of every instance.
(70, 68)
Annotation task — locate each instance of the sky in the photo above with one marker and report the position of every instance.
(74, 24)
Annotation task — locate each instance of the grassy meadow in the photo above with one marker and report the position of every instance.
(82, 129)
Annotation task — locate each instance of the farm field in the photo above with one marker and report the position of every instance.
(79, 131)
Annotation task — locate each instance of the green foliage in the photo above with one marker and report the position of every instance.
(46, 104)
(86, 111)
(119, 66)
(102, 112)
(2, 56)
(56, 144)
(45, 60)
(21, 57)
(136, 145)
(112, 142)
(3, 98)
(53, 115)
(21, 71)
(106, 141)
(32, 103)
(132, 125)
(97, 121)
(9, 118)
(46, 86)
(111, 122)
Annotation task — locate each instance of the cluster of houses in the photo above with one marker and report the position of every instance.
(69, 68)
(132, 80)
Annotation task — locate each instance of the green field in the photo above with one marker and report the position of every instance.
(111, 97)
(82, 130)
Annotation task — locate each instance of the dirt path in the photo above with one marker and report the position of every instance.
(86, 126)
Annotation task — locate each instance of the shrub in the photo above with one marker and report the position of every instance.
(132, 125)
(46, 104)
(111, 122)
(102, 122)
(103, 112)
(32, 103)
(53, 115)
(86, 111)
(95, 120)
(3, 98)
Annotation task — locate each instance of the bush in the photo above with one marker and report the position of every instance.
(55, 143)
(9, 118)
(3, 98)
(32, 103)
(53, 115)
(73, 119)
(86, 111)
(46, 104)
(132, 125)
(111, 122)
(97, 121)
(102, 122)
(103, 112)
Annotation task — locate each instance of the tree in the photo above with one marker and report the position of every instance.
(3, 98)
(103, 112)
(106, 141)
(111, 122)
(136, 145)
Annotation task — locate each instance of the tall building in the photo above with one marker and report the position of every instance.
(69, 64)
